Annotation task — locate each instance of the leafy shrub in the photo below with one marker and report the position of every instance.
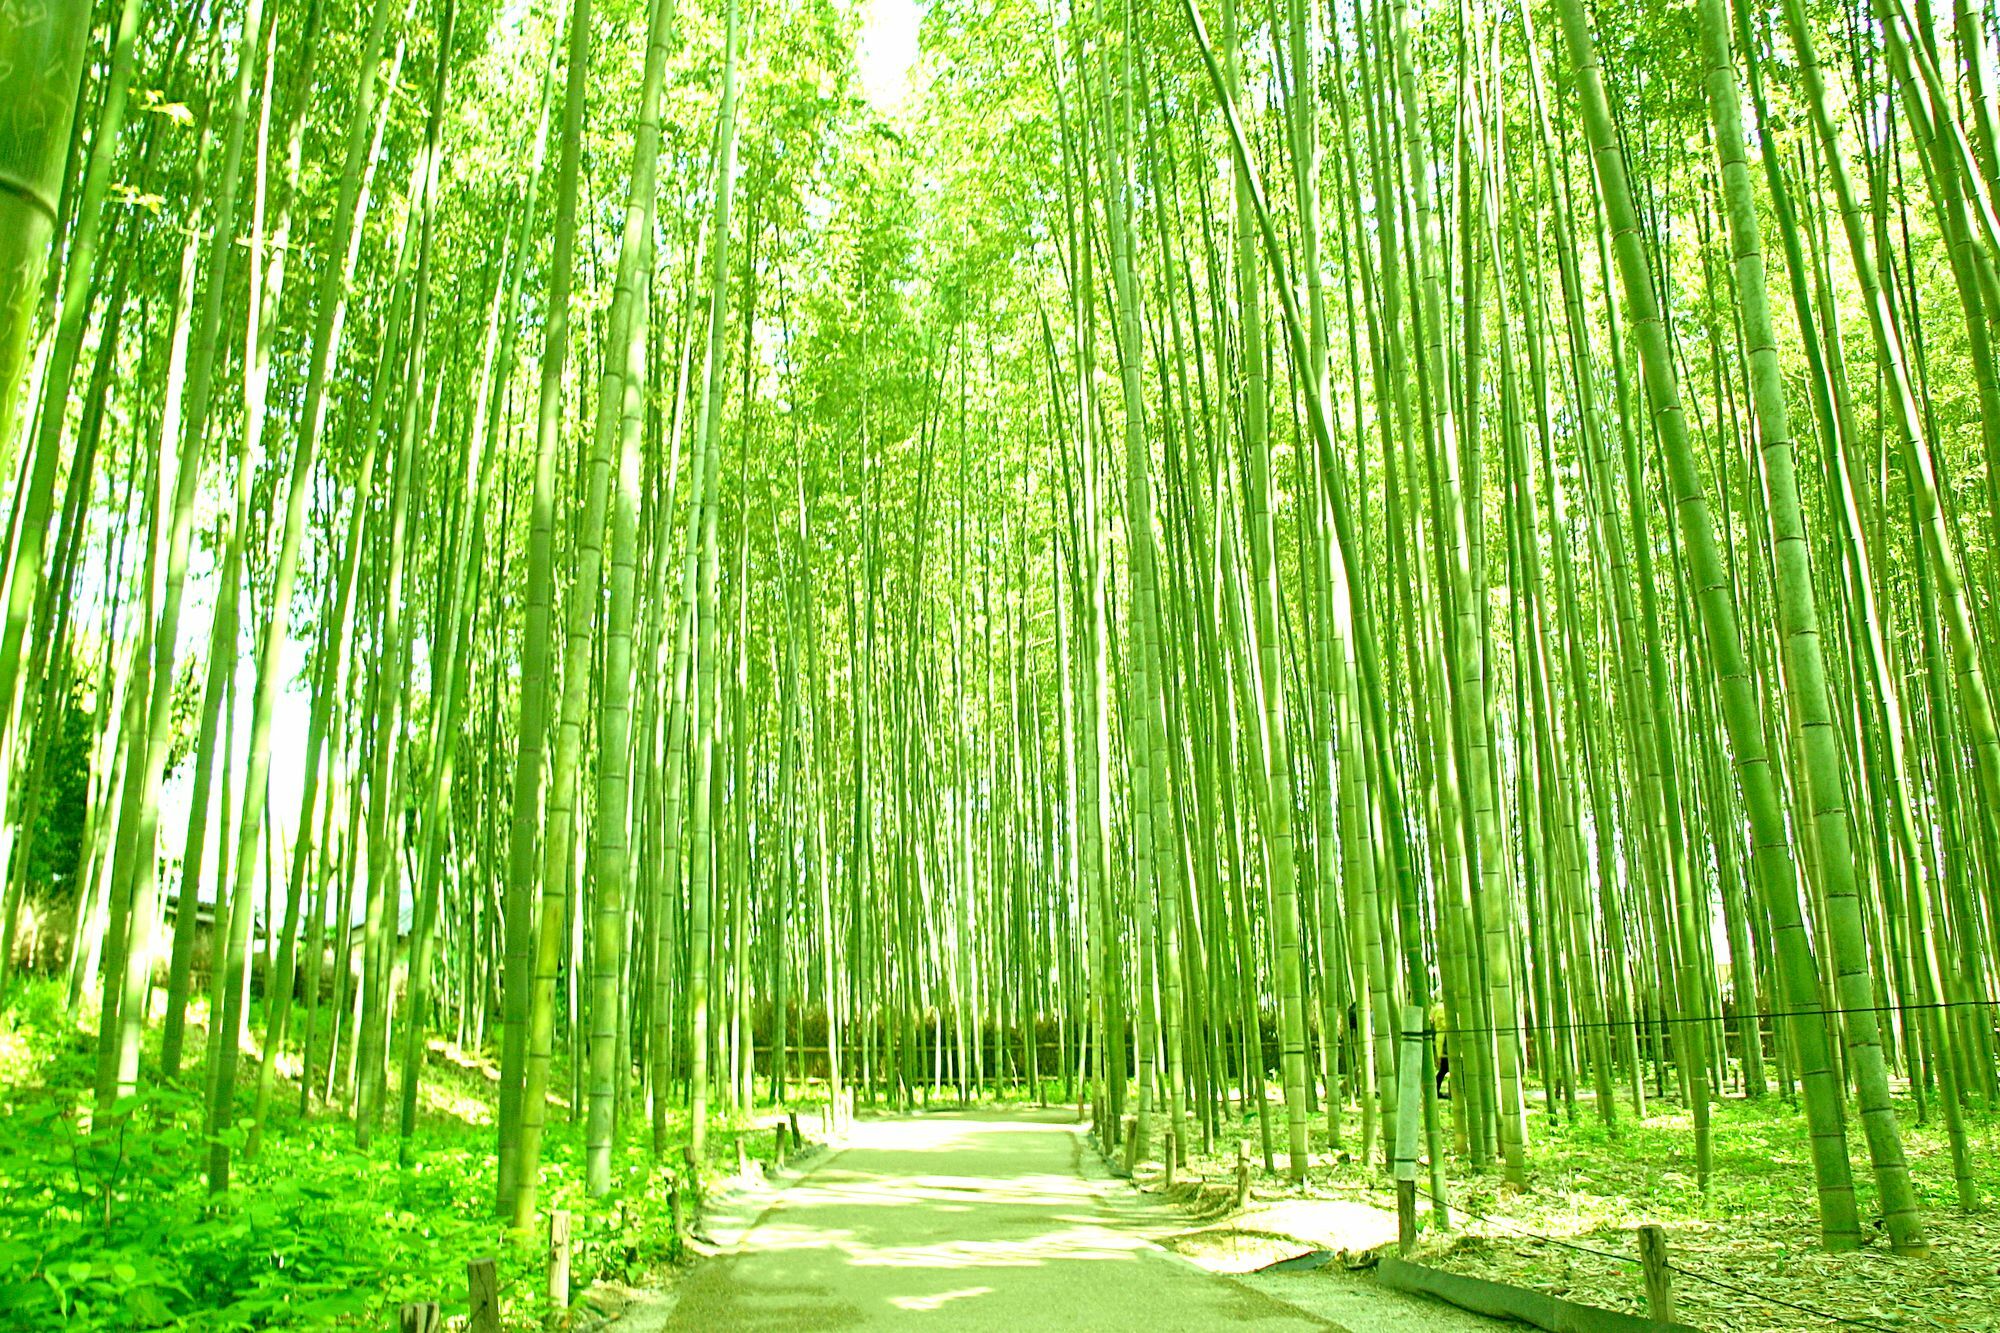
(112, 1226)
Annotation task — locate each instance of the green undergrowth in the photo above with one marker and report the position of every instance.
(113, 1227)
(1748, 1246)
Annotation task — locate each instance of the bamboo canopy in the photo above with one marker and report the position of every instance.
(573, 528)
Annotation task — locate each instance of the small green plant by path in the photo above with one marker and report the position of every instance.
(112, 1227)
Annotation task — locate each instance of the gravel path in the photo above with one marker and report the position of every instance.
(987, 1221)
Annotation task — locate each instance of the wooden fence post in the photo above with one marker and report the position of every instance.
(1242, 1173)
(778, 1145)
(559, 1259)
(421, 1317)
(1659, 1276)
(1409, 1121)
(798, 1139)
(1131, 1128)
(483, 1285)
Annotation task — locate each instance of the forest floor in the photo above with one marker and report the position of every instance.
(1746, 1251)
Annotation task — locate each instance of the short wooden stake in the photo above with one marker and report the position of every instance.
(1659, 1276)
(421, 1317)
(677, 1210)
(483, 1285)
(559, 1259)
(1131, 1144)
(798, 1139)
(1169, 1149)
(1242, 1172)
(778, 1144)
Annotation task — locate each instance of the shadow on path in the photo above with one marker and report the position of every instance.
(964, 1221)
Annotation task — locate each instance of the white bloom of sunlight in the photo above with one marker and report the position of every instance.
(887, 50)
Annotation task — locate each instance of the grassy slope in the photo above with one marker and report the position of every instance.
(115, 1230)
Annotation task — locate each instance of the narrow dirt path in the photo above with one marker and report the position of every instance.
(970, 1222)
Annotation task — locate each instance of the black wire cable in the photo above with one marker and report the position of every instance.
(1650, 1019)
(1528, 1234)
(1773, 1300)
(1671, 1020)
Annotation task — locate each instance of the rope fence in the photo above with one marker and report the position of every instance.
(1669, 1019)
(1651, 1018)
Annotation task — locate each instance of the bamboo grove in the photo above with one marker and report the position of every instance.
(1219, 529)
